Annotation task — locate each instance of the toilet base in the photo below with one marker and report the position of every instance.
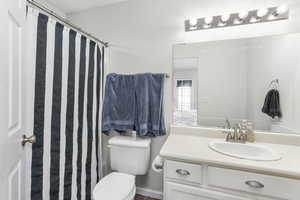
(132, 196)
(106, 187)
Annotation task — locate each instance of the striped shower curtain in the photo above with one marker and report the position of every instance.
(66, 159)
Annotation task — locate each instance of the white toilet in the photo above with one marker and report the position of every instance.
(128, 157)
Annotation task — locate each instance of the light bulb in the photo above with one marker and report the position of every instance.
(193, 28)
(225, 18)
(262, 12)
(193, 22)
(253, 20)
(208, 20)
(243, 15)
(237, 21)
(282, 9)
(272, 17)
(221, 24)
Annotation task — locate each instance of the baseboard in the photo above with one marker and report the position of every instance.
(149, 193)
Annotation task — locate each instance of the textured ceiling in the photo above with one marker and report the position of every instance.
(71, 6)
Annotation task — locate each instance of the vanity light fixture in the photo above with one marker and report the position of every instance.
(262, 12)
(253, 20)
(208, 22)
(193, 23)
(242, 16)
(223, 20)
(281, 10)
(237, 19)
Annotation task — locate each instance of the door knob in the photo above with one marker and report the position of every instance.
(30, 139)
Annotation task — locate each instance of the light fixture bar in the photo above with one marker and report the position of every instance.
(238, 19)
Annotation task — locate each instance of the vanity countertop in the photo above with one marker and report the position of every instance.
(195, 149)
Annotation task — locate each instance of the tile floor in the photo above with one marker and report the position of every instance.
(140, 197)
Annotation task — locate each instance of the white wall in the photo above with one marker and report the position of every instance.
(142, 32)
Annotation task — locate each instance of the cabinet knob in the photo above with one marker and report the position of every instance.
(255, 184)
(183, 172)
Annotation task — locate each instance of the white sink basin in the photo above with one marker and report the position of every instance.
(245, 151)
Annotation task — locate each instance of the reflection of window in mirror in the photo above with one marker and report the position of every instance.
(185, 89)
(184, 95)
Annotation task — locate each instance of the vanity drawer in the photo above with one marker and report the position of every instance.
(174, 191)
(183, 171)
(253, 183)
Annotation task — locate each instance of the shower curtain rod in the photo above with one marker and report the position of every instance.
(35, 4)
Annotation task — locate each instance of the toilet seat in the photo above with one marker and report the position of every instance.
(115, 186)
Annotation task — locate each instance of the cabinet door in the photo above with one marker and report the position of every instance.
(269, 186)
(174, 191)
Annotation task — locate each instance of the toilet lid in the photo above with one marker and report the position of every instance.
(115, 186)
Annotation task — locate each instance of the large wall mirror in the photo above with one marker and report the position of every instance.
(221, 82)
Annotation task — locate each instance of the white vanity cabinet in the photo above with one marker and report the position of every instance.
(186, 181)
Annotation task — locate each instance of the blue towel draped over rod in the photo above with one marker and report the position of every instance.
(134, 102)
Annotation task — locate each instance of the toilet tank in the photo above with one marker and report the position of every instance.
(129, 155)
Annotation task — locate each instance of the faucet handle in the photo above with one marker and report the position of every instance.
(239, 126)
(227, 123)
(229, 136)
(243, 138)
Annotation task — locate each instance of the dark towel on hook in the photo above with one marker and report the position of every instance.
(272, 104)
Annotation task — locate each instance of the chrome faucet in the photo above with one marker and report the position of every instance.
(227, 129)
(227, 124)
(240, 134)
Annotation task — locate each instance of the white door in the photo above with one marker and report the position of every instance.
(12, 100)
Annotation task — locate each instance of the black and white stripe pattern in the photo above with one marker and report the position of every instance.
(66, 160)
